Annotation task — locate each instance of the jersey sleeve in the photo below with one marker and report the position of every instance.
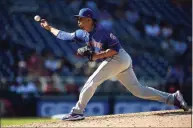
(113, 42)
(65, 35)
(79, 35)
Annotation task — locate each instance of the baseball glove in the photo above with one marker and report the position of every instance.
(85, 51)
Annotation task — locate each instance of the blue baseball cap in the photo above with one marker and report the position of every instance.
(86, 12)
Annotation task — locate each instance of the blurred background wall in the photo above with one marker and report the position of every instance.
(41, 75)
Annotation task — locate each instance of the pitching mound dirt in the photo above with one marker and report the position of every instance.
(172, 118)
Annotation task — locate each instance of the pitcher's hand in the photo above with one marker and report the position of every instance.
(45, 24)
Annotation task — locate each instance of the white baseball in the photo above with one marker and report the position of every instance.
(37, 18)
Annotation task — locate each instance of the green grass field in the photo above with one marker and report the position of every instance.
(19, 121)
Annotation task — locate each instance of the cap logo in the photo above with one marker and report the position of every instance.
(112, 36)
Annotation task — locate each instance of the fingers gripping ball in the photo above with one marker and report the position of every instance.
(45, 24)
(85, 51)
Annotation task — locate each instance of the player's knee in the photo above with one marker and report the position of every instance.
(91, 83)
(137, 90)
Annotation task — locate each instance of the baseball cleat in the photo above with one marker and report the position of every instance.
(179, 101)
(73, 117)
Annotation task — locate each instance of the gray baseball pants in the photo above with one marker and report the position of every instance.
(120, 66)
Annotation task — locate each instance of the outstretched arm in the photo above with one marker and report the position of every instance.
(54, 30)
(58, 33)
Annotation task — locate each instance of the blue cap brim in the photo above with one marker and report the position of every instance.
(79, 16)
(84, 17)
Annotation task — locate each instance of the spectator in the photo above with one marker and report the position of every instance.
(92, 5)
(21, 89)
(175, 74)
(179, 32)
(31, 87)
(152, 29)
(120, 12)
(35, 66)
(66, 67)
(22, 68)
(75, 4)
(186, 57)
(4, 43)
(4, 84)
(106, 20)
(179, 46)
(188, 75)
(13, 86)
(89, 68)
(6, 108)
(166, 45)
(132, 15)
(50, 88)
(79, 69)
(51, 63)
(166, 30)
(70, 87)
(139, 25)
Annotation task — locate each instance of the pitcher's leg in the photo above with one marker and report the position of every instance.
(129, 80)
(103, 72)
(85, 95)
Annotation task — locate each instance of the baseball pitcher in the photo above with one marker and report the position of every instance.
(102, 45)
